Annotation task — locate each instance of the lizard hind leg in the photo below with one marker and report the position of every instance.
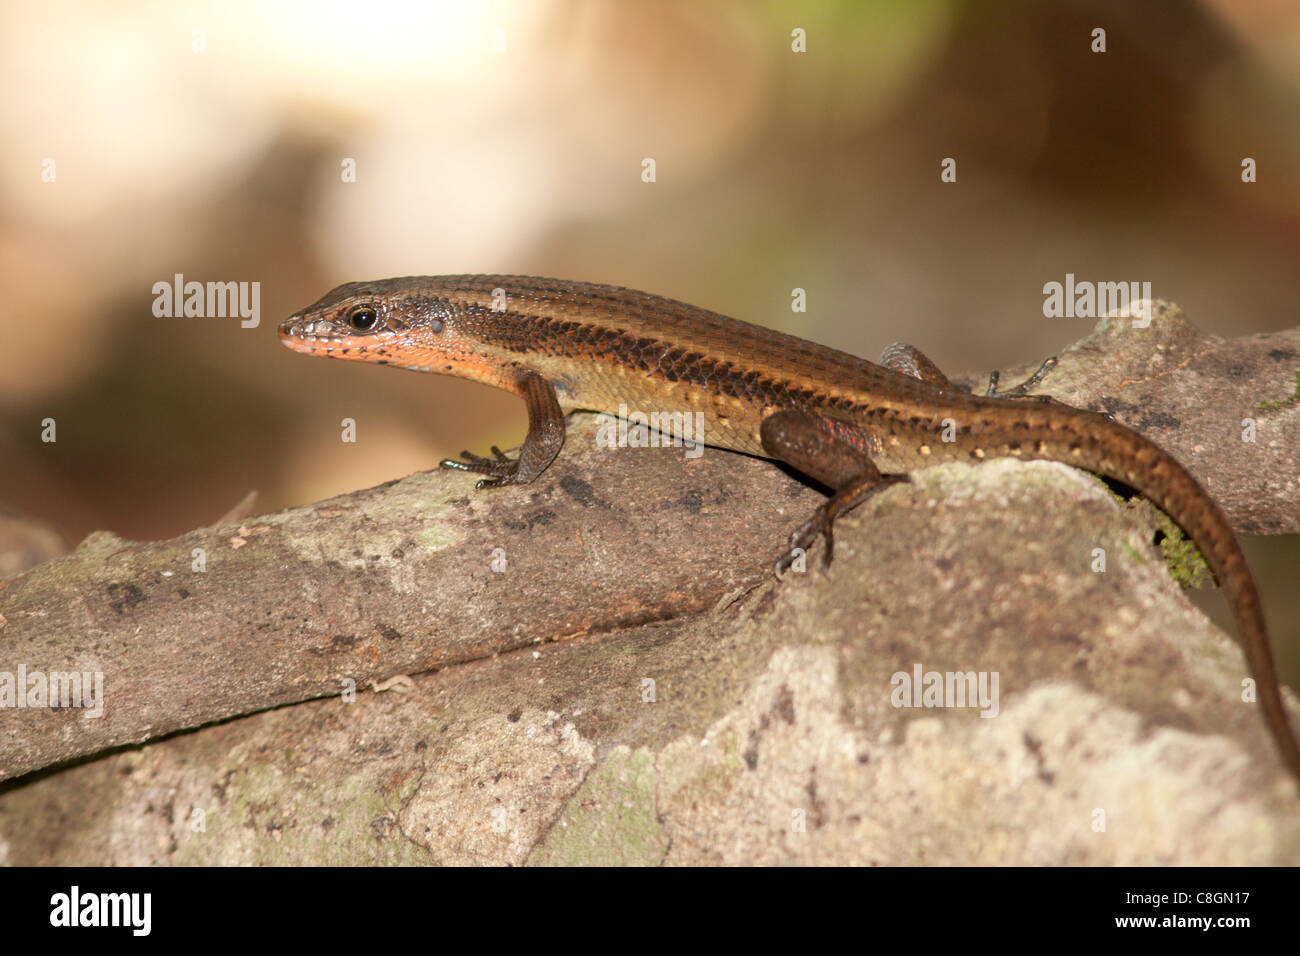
(832, 452)
(912, 361)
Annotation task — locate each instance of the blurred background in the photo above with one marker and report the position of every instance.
(208, 139)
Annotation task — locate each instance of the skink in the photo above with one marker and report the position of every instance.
(850, 424)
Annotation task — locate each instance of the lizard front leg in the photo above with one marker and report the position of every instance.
(545, 438)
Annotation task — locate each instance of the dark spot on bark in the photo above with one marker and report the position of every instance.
(344, 640)
(1035, 747)
(219, 789)
(784, 707)
(514, 716)
(751, 751)
(818, 805)
(692, 501)
(388, 632)
(183, 592)
(577, 489)
(123, 597)
(541, 517)
(1118, 408)
(1282, 355)
(1158, 420)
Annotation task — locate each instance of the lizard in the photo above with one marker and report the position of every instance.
(854, 426)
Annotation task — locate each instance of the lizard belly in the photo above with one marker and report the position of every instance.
(715, 418)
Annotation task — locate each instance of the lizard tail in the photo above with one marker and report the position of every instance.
(1117, 452)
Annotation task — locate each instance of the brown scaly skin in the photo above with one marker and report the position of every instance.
(851, 424)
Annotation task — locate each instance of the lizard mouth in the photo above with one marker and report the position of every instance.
(302, 336)
(320, 338)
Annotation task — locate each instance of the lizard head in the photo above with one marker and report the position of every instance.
(417, 323)
(388, 322)
(452, 325)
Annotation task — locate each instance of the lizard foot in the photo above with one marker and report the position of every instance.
(822, 522)
(1021, 390)
(500, 469)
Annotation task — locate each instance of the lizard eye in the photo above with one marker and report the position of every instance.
(363, 319)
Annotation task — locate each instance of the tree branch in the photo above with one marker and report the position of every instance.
(1115, 693)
